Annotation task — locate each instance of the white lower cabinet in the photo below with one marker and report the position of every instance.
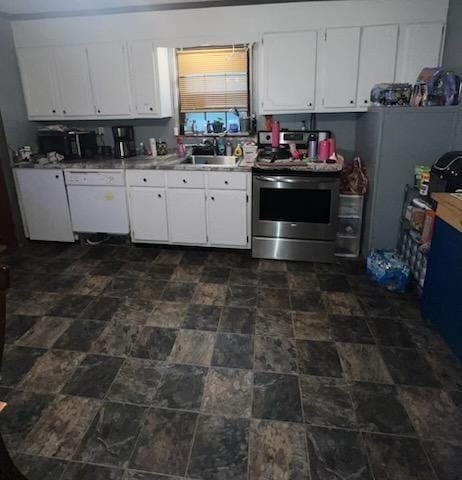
(186, 215)
(227, 217)
(43, 203)
(148, 214)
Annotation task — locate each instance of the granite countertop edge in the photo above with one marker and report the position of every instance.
(167, 162)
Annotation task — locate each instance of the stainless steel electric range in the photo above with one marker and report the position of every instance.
(294, 214)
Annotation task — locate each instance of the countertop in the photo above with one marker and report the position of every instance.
(141, 162)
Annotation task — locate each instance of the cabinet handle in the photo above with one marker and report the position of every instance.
(56, 176)
(310, 104)
(159, 195)
(226, 182)
(212, 198)
(145, 180)
(53, 111)
(352, 102)
(184, 181)
(99, 111)
(366, 101)
(151, 109)
(64, 111)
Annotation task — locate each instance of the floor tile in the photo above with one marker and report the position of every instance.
(406, 308)
(446, 368)
(363, 363)
(194, 347)
(17, 361)
(377, 306)
(273, 265)
(154, 343)
(339, 303)
(181, 386)
(233, 350)
(237, 320)
(202, 317)
(318, 358)
(395, 457)
(408, 367)
(350, 329)
(61, 427)
(187, 273)
(214, 274)
(161, 272)
(45, 332)
(178, 292)
(276, 397)
(302, 280)
(60, 283)
(390, 332)
(169, 257)
(330, 267)
(333, 282)
(424, 336)
(81, 471)
(363, 285)
(379, 409)
(195, 257)
(108, 268)
(111, 436)
(445, 458)
(274, 322)
(71, 306)
(433, 413)
(134, 310)
(93, 376)
(273, 298)
(91, 285)
(98, 252)
(144, 253)
(39, 304)
(80, 335)
(209, 294)
(241, 296)
(300, 267)
(4, 391)
(228, 392)
(18, 418)
(277, 451)
(134, 270)
(120, 287)
(148, 289)
(137, 475)
(17, 326)
(242, 276)
(272, 279)
(51, 371)
(275, 354)
(327, 402)
(169, 454)
(40, 468)
(220, 448)
(136, 382)
(168, 314)
(336, 454)
(311, 326)
(306, 301)
(101, 309)
(116, 339)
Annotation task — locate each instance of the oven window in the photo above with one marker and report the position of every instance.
(295, 205)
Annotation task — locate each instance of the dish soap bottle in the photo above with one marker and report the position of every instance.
(238, 151)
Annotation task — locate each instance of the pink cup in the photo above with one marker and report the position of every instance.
(331, 146)
(324, 149)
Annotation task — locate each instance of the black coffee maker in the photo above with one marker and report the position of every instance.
(124, 141)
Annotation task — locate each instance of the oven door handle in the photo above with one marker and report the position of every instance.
(294, 180)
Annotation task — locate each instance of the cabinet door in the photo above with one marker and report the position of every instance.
(186, 215)
(44, 204)
(340, 76)
(39, 82)
(109, 77)
(227, 217)
(422, 48)
(144, 77)
(74, 81)
(148, 214)
(286, 86)
(377, 59)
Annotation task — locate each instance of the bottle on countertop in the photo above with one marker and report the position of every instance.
(312, 151)
(153, 147)
(238, 151)
(303, 126)
(143, 150)
(229, 149)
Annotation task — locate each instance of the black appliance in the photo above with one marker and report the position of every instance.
(446, 173)
(124, 141)
(71, 144)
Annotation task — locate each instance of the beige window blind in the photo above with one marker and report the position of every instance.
(213, 80)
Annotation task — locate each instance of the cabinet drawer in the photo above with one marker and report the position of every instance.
(227, 180)
(182, 179)
(145, 178)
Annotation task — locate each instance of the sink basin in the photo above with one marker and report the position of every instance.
(210, 160)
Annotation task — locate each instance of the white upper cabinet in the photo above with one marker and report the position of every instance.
(74, 81)
(288, 73)
(377, 59)
(109, 77)
(422, 48)
(150, 79)
(340, 68)
(38, 73)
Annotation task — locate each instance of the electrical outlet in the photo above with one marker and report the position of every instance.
(100, 130)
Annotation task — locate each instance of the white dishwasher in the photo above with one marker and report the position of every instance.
(97, 201)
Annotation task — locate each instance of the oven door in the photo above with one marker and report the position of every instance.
(295, 207)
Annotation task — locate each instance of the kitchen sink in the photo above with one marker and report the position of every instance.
(211, 160)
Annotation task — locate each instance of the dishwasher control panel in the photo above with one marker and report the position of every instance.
(94, 177)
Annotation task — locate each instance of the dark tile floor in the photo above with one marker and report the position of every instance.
(148, 364)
